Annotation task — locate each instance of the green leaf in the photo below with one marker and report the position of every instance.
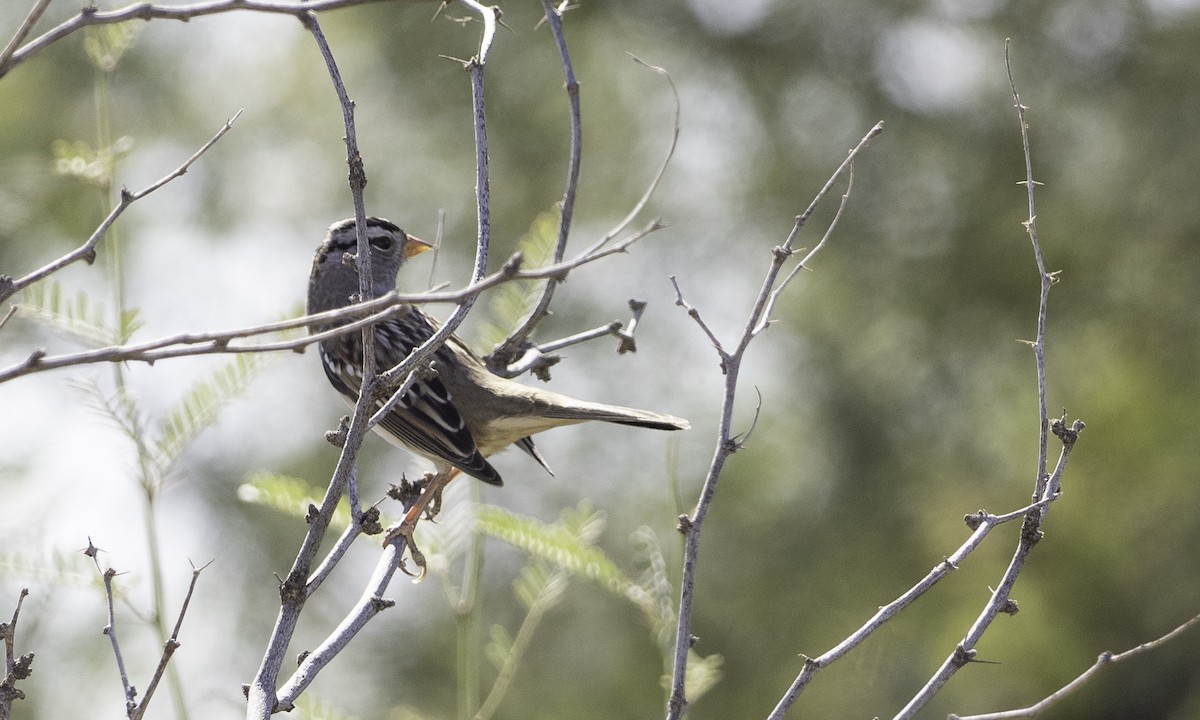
(289, 495)
(105, 45)
(199, 408)
(558, 544)
(499, 648)
(703, 673)
(77, 315)
(512, 302)
(118, 406)
(94, 166)
(54, 568)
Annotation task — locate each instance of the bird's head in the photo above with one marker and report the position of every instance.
(335, 276)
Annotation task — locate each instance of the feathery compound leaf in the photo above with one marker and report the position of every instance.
(49, 567)
(198, 409)
(288, 495)
(77, 316)
(118, 406)
(499, 647)
(308, 708)
(510, 303)
(555, 543)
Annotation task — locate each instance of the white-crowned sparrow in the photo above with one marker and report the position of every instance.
(461, 413)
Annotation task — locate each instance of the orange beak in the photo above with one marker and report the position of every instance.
(415, 246)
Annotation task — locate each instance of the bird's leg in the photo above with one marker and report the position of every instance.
(432, 492)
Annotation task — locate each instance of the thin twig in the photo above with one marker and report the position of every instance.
(87, 251)
(662, 168)
(371, 601)
(35, 13)
(726, 444)
(381, 308)
(110, 629)
(1045, 485)
(15, 668)
(803, 264)
(1104, 660)
(91, 15)
(261, 695)
(397, 378)
(506, 352)
(169, 647)
(982, 523)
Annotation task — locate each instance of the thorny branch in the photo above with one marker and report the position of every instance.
(506, 353)
(87, 251)
(15, 668)
(517, 354)
(981, 522)
(262, 695)
(90, 15)
(1046, 487)
(133, 709)
(369, 312)
(294, 591)
(730, 362)
(1105, 659)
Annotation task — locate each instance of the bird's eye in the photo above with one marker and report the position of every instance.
(382, 242)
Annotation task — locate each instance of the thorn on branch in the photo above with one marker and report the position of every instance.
(962, 656)
(379, 604)
(1068, 435)
(685, 525)
(337, 437)
(976, 519)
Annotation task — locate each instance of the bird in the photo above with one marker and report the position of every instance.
(460, 413)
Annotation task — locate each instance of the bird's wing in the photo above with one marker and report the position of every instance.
(425, 418)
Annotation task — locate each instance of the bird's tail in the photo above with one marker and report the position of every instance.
(579, 410)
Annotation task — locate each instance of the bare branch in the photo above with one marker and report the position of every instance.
(803, 264)
(982, 523)
(381, 308)
(87, 251)
(35, 14)
(129, 691)
(1045, 486)
(1105, 659)
(91, 15)
(15, 668)
(169, 647)
(726, 444)
(261, 695)
(504, 354)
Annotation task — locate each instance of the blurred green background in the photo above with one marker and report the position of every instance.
(895, 396)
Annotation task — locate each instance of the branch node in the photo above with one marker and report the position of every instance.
(685, 525)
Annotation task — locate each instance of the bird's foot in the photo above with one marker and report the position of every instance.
(404, 530)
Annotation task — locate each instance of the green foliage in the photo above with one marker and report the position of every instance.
(566, 548)
(512, 302)
(199, 407)
(105, 45)
(94, 166)
(566, 544)
(56, 568)
(288, 495)
(78, 315)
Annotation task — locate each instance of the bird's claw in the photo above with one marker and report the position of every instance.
(405, 530)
